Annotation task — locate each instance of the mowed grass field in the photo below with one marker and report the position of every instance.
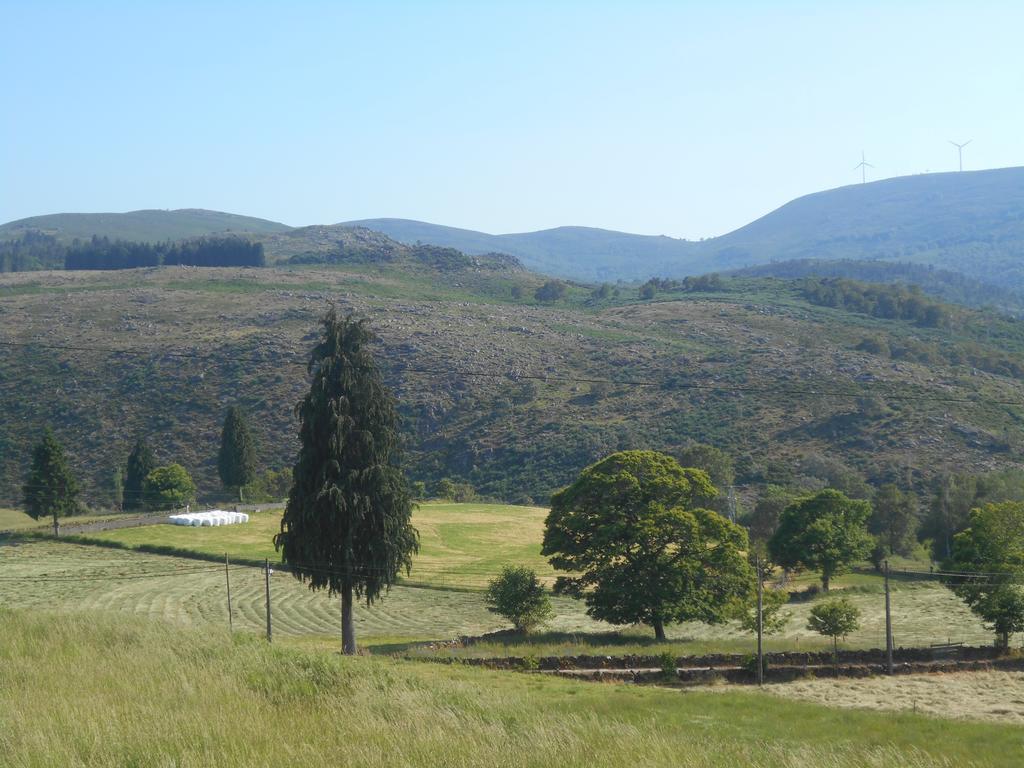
(995, 696)
(92, 690)
(71, 577)
(463, 545)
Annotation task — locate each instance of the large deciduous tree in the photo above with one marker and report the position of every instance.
(825, 532)
(140, 463)
(50, 489)
(347, 525)
(236, 462)
(993, 547)
(639, 550)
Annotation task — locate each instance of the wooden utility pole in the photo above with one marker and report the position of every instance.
(266, 571)
(760, 621)
(227, 579)
(888, 624)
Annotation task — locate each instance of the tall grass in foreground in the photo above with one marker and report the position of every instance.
(89, 690)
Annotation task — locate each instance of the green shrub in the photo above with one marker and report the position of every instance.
(517, 595)
(169, 487)
(667, 662)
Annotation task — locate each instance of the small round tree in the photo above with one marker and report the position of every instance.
(834, 618)
(169, 487)
(773, 618)
(517, 595)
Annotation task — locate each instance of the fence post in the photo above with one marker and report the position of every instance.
(888, 624)
(266, 571)
(760, 621)
(227, 578)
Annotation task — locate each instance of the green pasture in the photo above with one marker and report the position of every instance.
(13, 519)
(104, 692)
(16, 520)
(461, 545)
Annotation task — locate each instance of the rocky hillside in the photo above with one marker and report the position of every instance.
(498, 389)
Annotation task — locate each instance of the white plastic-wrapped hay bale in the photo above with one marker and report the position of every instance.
(215, 517)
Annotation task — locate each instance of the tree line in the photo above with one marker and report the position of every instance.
(31, 250)
(142, 483)
(944, 284)
(695, 284)
(103, 253)
(892, 302)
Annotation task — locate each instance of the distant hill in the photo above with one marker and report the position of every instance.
(968, 222)
(147, 226)
(971, 223)
(582, 253)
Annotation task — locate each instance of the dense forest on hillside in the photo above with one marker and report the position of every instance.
(33, 250)
(30, 251)
(892, 302)
(102, 253)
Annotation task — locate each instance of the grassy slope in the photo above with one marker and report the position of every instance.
(82, 690)
(996, 696)
(12, 519)
(512, 438)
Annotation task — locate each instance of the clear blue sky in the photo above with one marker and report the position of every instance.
(686, 119)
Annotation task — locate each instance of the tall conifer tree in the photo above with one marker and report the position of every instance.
(50, 489)
(347, 526)
(236, 462)
(140, 463)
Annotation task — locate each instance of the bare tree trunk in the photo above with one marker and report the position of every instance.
(825, 578)
(348, 627)
(659, 629)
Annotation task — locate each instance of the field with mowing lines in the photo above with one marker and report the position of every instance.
(92, 690)
(461, 545)
(61, 576)
(68, 577)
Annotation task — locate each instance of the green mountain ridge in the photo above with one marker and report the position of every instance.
(970, 222)
(149, 226)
